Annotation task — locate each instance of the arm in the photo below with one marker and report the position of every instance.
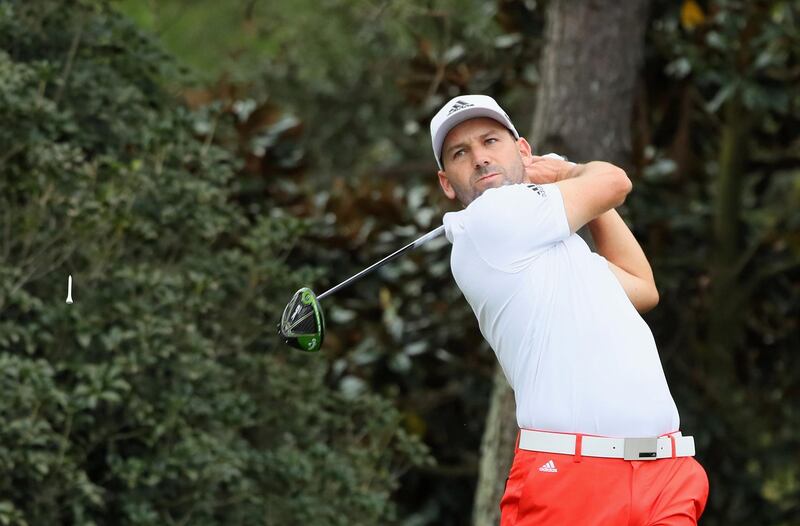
(590, 193)
(588, 190)
(614, 241)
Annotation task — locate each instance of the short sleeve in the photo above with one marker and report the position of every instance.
(511, 225)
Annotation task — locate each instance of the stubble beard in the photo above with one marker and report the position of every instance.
(514, 175)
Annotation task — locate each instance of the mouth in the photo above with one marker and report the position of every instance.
(487, 176)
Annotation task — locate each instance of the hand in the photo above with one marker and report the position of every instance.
(543, 170)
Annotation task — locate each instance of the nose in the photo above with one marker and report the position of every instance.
(480, 157)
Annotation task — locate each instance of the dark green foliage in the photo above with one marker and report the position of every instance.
(721, 209)
(162, 395)
(364, 96)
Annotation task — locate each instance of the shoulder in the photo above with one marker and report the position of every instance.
(510, 226)
(522, 191)
(510, 200)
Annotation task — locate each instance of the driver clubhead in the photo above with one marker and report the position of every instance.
(302, 323)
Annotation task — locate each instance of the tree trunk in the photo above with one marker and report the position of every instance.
(589, 68)
(497, 445)
(725, 328)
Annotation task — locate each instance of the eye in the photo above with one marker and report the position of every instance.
(491, 140)
(458, 153)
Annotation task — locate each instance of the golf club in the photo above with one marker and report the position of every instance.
(302, 324)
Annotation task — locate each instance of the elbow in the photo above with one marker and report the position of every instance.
(622, 187)
(648, 300)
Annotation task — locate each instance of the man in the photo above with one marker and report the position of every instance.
(599, 440)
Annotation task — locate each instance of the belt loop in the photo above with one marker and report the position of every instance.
(672, 442)
(578, 447)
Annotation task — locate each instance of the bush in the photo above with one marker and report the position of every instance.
(161, 395)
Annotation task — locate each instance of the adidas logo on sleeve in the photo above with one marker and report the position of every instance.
(538, 189)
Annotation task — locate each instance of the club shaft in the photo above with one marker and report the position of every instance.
(411, 246)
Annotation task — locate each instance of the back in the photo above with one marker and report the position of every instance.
(577, 354)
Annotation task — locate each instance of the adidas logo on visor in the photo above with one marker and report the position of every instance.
(459, 105)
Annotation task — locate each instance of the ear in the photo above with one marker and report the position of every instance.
(445, 184)
(525, 151)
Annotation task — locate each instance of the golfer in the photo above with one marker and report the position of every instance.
(599, 440)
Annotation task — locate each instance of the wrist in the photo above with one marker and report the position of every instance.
(569, 171)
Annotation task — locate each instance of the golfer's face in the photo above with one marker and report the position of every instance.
(479, 154)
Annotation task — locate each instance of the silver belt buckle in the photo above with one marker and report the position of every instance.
(640, 449)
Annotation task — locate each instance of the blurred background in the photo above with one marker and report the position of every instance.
(192, 163)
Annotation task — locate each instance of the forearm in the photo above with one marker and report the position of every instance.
(614, 241)
(589, 190)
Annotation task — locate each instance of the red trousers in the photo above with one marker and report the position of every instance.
(564, 490)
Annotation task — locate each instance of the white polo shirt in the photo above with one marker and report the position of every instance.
(578, 355)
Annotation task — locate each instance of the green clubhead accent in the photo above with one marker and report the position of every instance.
(302, 324)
